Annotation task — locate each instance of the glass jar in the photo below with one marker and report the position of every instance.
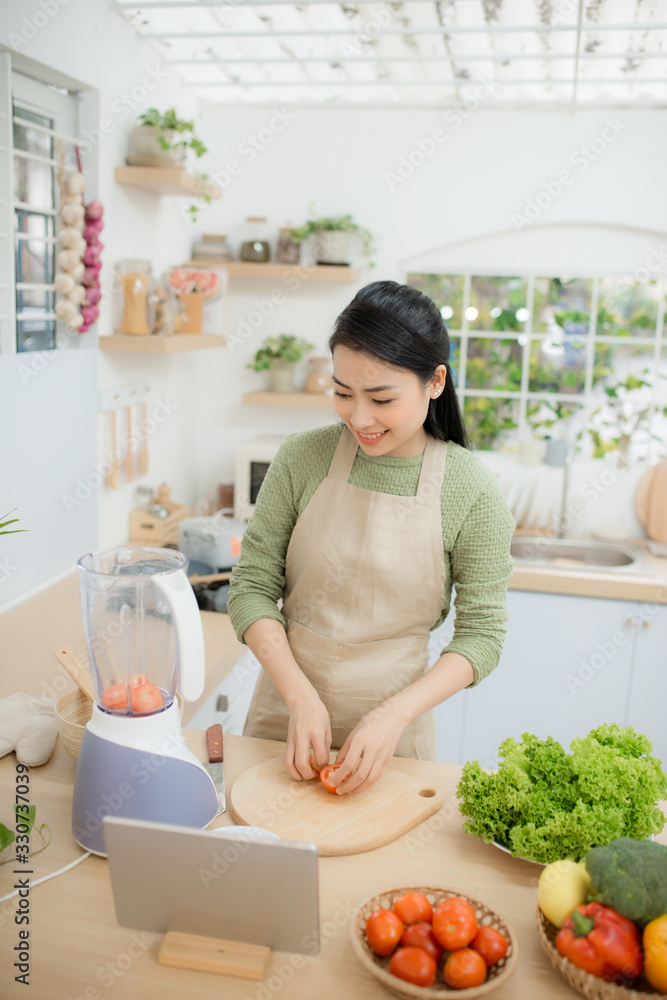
(289, 251)
(318, 377)
(135, 279)
(255, 246)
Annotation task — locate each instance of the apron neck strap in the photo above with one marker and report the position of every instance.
(432, 470)
(344, 456)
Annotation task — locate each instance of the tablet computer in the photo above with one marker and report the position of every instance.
(177, 878)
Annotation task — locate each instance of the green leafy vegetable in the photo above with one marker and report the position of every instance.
(631, 877)
(545, 804)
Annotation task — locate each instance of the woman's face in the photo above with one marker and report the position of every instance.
(384, 407)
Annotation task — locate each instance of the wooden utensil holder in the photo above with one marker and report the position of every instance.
(146, 527)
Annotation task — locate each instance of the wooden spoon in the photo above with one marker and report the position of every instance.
(143, 454)
(113, 471)
(129, 457)
(76, 670)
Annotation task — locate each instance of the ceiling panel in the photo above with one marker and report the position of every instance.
(575, 53)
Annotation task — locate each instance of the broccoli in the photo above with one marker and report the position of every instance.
(631, 877)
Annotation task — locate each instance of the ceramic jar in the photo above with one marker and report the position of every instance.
(318, 377)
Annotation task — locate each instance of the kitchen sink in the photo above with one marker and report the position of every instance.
(574, 553)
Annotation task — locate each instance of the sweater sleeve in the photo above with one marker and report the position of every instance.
(481, 569)
(258, 579)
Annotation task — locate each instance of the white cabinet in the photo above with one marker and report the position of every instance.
(647, 708)
(569, 664)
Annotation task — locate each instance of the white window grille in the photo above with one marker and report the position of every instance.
(555, 357)
(33, 115)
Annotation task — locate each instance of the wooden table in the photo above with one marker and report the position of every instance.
(79, 950)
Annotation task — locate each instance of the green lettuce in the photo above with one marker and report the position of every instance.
(545, 804)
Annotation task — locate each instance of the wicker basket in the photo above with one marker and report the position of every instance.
(73, 709)
(583, 982)
(379, 967)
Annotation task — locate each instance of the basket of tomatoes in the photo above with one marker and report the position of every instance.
(425, 943)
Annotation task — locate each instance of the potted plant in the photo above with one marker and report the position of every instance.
(623, 418)
(162, 139)
(278, 356)
(332, 238)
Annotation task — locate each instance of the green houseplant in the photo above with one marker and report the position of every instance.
(279, 356)
(333, 237)
(161, 138)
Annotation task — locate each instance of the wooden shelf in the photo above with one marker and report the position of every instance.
(166, 180)
(245, 269)
(310, 400)
(160, 345)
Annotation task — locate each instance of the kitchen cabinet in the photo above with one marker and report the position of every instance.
(648, 692)
(569, 664)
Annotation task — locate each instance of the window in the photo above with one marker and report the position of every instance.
(39, 114)
(578, 357)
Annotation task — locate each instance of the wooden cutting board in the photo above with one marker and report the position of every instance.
(266, 796)
(651, 502)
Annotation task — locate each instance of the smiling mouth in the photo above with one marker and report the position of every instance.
(370, 438)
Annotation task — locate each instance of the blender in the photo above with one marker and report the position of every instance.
(145, 639)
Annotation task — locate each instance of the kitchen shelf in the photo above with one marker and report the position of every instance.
(160, 345)
(166, 180)
(245, 269)
(310, 400)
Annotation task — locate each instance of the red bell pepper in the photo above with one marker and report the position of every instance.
(599, 940)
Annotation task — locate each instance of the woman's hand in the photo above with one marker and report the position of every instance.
(370, 745)
(308, 727)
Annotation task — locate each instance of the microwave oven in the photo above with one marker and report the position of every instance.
(252, 462)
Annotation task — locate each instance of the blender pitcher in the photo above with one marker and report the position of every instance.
(145, 640)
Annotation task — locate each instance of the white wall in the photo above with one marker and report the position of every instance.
(486, 169)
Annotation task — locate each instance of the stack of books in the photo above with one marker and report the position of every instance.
(211, 247)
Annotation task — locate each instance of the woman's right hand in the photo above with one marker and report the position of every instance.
(308, 727)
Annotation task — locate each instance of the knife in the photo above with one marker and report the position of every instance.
(215, 766)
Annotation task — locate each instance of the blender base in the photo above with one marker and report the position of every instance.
(112, 779)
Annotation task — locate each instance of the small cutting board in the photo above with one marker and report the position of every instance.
(266, 796)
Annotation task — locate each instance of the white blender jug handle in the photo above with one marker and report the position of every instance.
(179, 595)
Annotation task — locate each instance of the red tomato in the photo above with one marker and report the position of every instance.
(414, 965)
(325, 776)
(413, 908)
(146, 698)
(490, 944)
(421, 936)
(464, 968)
(383, 930)
(454, 923)
(313, 763)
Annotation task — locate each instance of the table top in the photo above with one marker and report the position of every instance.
(77, 945)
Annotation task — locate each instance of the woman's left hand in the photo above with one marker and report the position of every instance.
(370, 745)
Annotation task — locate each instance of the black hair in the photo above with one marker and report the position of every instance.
(403, 327)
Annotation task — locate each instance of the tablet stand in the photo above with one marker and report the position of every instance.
(206, 954)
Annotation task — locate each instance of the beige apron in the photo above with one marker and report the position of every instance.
(365, 581)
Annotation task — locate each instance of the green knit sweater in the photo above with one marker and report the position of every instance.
(476, 528)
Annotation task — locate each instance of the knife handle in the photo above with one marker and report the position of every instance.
(214, 741)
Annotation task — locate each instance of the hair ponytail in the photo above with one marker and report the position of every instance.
(403, 327)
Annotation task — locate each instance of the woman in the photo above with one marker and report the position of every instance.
(362, 529)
